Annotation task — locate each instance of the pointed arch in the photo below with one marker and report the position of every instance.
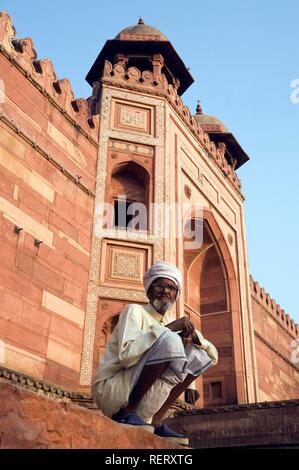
(129, 183)
(212, 299)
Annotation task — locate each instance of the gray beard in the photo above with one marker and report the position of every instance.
(161, 307)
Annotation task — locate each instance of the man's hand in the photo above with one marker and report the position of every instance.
(184, 325)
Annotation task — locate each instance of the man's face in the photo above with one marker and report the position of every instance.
(162, 294)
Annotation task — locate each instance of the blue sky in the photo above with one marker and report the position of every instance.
(243, 57)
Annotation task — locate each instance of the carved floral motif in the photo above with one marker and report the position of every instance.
(126, 265)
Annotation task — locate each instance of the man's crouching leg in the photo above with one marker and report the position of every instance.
(167, 348)
(174, 394)
(197, 363)
(146, 379)
(143, 398)
(129, 414)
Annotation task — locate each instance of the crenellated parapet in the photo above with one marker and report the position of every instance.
(7, 31)
(21, 53)
(274, 309)
(157, 84)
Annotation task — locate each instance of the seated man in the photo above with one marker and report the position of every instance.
(149, 362)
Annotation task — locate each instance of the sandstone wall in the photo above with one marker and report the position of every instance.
(48, 155)
(275, 335)
(48, 169)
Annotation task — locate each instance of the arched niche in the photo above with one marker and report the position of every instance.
(129, 184)
(205, 275)
(212, 301)
(108, 312)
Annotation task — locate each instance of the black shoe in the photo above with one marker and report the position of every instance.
(132, 419)
(164, 431)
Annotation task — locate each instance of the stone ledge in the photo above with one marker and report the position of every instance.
(31, 421)
(255, 425)
(40, 386)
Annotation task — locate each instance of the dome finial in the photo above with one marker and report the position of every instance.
(141, 20)
(198, 108)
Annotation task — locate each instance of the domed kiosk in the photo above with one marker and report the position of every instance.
(234, 153)
(146, 48)
(141, 32)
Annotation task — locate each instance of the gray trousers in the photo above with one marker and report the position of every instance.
(182, 361)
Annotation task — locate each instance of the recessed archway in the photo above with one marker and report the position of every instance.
(129, 194)
(212, 300)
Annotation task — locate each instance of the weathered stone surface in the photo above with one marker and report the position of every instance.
(63, 282)
(275, 340)
(268, 424)
(32, 421)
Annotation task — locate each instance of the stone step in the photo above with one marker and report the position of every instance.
(30, 420)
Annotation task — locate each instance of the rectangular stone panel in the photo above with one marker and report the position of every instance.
(131, 147)
(192, 168)
(189, 165)
(63, 308)
(128, 116)
(210, 189)
(124, 264)
(63, 354)
(228, 211)
(214, 390)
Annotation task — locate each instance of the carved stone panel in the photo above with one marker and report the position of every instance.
(124, 264)
(131, 148)
(132, 117)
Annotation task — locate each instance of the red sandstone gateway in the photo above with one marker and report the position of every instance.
(65, 276)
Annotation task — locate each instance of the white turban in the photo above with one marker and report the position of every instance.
(163, 269)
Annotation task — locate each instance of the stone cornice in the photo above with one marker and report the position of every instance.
(40, 386)
(249, 406)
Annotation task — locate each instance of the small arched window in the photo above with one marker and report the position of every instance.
(129, 194)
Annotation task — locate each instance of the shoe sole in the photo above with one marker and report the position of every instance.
(148, 428)
(183, 441)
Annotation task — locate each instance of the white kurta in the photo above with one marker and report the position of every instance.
(138, 328)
